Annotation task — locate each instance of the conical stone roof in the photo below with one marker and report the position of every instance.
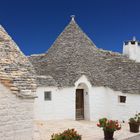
(73, 54)
(16, 72)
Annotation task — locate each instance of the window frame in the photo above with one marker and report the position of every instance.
(47, 95)
(122, 99)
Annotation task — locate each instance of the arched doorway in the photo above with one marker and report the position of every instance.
(81, 105)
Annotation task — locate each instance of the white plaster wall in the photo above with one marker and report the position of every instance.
(132, 51)
(62, 105)
(98, 102)
(86, 105)
(16, 116)
(104, 103)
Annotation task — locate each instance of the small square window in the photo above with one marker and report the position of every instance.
(122, 99)
(133, 42)
(47, 96)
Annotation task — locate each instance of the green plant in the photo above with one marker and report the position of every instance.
(109, 125)
(135, 119)
(69, 134)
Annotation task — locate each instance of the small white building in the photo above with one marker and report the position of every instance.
(17, 91)
(77, 80)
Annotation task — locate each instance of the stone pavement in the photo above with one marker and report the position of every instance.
(134, 138)
(88, 130)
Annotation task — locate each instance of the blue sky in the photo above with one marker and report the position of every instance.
(35, 24)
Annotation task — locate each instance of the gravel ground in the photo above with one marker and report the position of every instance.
(88, 130)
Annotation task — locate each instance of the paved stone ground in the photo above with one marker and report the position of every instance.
(88, 130)
(134, 138)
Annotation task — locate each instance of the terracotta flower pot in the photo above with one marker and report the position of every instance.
(108, 135)
(134, 127)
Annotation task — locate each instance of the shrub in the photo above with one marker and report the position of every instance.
(69, 134)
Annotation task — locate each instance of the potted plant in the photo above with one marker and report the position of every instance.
(109, 126)
(69, 134)
(134, 123)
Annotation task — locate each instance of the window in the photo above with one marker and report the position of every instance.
(133, 42)
(47, 96)
(122, 99)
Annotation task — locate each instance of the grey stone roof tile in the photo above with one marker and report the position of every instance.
(14, 65)
(73, 54)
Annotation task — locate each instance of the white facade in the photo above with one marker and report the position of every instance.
(61, 106)
(16, 116)
(132, 50)
(105, 102)
(98, 102)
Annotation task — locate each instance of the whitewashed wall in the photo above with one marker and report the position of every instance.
(104, 102)
(16, 116)
(62, 105)
(98, 102)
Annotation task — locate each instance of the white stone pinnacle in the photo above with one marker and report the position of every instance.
(72, 17)
(134, 38)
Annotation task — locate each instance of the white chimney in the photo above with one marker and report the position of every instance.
(132, 49)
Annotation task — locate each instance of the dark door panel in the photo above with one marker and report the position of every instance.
(79, 104)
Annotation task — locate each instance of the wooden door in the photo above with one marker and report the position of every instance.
(79, 104)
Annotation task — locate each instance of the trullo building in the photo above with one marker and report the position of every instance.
(77, 80)
(17, 91)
